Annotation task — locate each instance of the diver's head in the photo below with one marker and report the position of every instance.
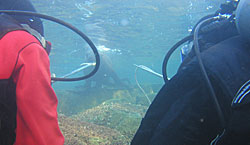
(243, 19)
(23, 5)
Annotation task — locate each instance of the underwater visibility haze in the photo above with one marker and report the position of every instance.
(132, 37)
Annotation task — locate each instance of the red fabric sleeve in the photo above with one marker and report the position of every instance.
(37, 122)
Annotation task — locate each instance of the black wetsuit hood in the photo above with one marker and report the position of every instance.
(23, 5)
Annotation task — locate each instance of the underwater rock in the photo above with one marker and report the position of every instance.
(83, 133)
(74, 101)
(113, 115)
(116, 114)
(79, 100)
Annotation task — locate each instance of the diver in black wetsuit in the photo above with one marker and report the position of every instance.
(183, 112)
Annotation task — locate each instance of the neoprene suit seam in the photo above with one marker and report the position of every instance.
(19, 54)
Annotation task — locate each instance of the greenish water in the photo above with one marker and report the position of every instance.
(136, 31)
(127, 32)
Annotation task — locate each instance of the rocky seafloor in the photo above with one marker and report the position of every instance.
(112, 120)
(83, 133)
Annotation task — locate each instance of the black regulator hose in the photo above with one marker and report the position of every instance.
(205, 29)
(83, 36)
(204, 73)
(178, 44)
(167, 56)
(195, 38)
(208, 20)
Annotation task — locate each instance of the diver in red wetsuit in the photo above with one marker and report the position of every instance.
(28, 104)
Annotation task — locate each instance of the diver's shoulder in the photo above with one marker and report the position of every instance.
(18, 38)
(228, 53)
(229, 45)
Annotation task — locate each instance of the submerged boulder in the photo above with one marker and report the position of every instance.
(83, 133)
(115, 114)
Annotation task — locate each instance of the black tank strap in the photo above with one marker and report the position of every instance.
(8, 106)
(8, 111)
